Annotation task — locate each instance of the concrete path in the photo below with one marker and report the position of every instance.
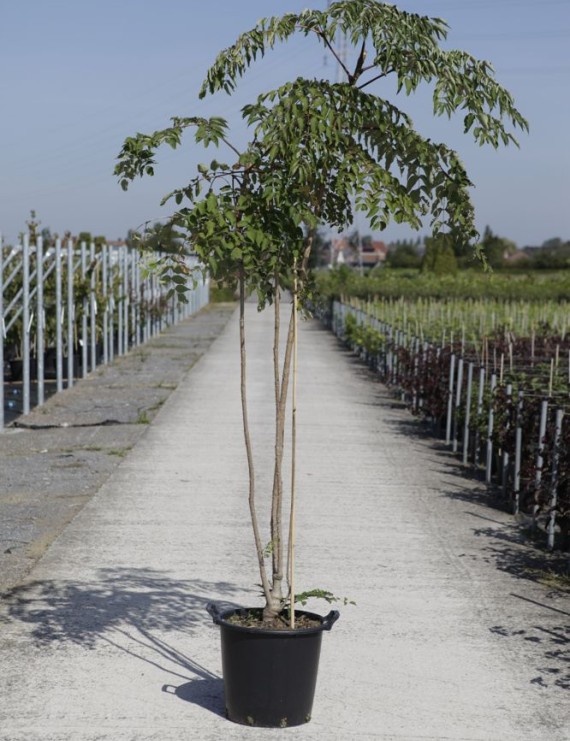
(452, 636)
(56, 458)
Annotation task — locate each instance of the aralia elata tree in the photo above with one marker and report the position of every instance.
(317, 151)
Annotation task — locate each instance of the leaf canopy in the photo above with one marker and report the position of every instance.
(318, 150)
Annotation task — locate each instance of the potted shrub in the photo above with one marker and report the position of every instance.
(317, 152)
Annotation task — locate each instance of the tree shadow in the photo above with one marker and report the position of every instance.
(126, 608)
(509, 551)
(552, 643)
(514, 551)
(480, 495)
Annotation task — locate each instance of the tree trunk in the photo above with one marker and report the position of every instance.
(248, 446)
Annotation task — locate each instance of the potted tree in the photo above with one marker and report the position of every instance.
(317, 152)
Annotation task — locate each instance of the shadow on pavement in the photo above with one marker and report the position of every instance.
(126, 608)
(552, 642)
(511, 550)
(207, 693)
(544, 633)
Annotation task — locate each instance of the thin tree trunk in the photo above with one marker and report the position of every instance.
(277, 518)
(277, 495)
(248, 446)
(292, 350)
(278, 574)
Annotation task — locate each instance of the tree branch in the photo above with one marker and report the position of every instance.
(373, 79)
(321, 33)
(359, 64)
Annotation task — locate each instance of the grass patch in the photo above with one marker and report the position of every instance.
(551, 579)
(221, 294)
(119, 452)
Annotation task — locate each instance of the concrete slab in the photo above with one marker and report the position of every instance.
(450, 638)
(55, 458)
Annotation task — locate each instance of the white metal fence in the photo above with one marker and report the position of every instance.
(66, 308)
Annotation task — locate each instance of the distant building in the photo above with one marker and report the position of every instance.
(371, 253)
(520, 257)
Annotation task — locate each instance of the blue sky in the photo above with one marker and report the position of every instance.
(77, 77)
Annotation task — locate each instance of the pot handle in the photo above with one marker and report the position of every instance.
(330, 619)
(214, 612)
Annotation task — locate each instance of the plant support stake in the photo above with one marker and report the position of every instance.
(450, 399)
(467, 413)
(518, 454)
(293, 457)
(26, 326)
(490, 426)
(539, 456)
(551, 529)
(40, 349)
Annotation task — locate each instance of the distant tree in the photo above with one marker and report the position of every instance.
(156, 238)
(354, 244)
(84, 237)
(553, 243)
(439, 257)
(46, 235)
(33, 225)
(320, 250)
(404, 254)
(464, 253)
(89, 239)
(133, 238)
(554, 254)
(495, 248)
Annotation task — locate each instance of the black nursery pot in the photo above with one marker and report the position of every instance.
(270, 675)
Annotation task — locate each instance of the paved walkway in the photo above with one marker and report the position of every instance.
(451, 637)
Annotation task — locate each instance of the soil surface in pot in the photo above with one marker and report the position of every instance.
(254, 619)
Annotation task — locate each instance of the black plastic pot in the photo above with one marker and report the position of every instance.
(270, 675)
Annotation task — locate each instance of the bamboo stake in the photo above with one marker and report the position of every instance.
(293, 458)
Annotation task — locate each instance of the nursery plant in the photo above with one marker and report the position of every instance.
(318, 150)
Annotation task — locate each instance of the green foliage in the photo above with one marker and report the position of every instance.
(403, 254)
(84, 237)
(318, 150)
(495, 248)
(554, 254)
(439, 256)
(404, 44)
(304, 597)
(317, 147)
(222, 293)
(466, 284)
